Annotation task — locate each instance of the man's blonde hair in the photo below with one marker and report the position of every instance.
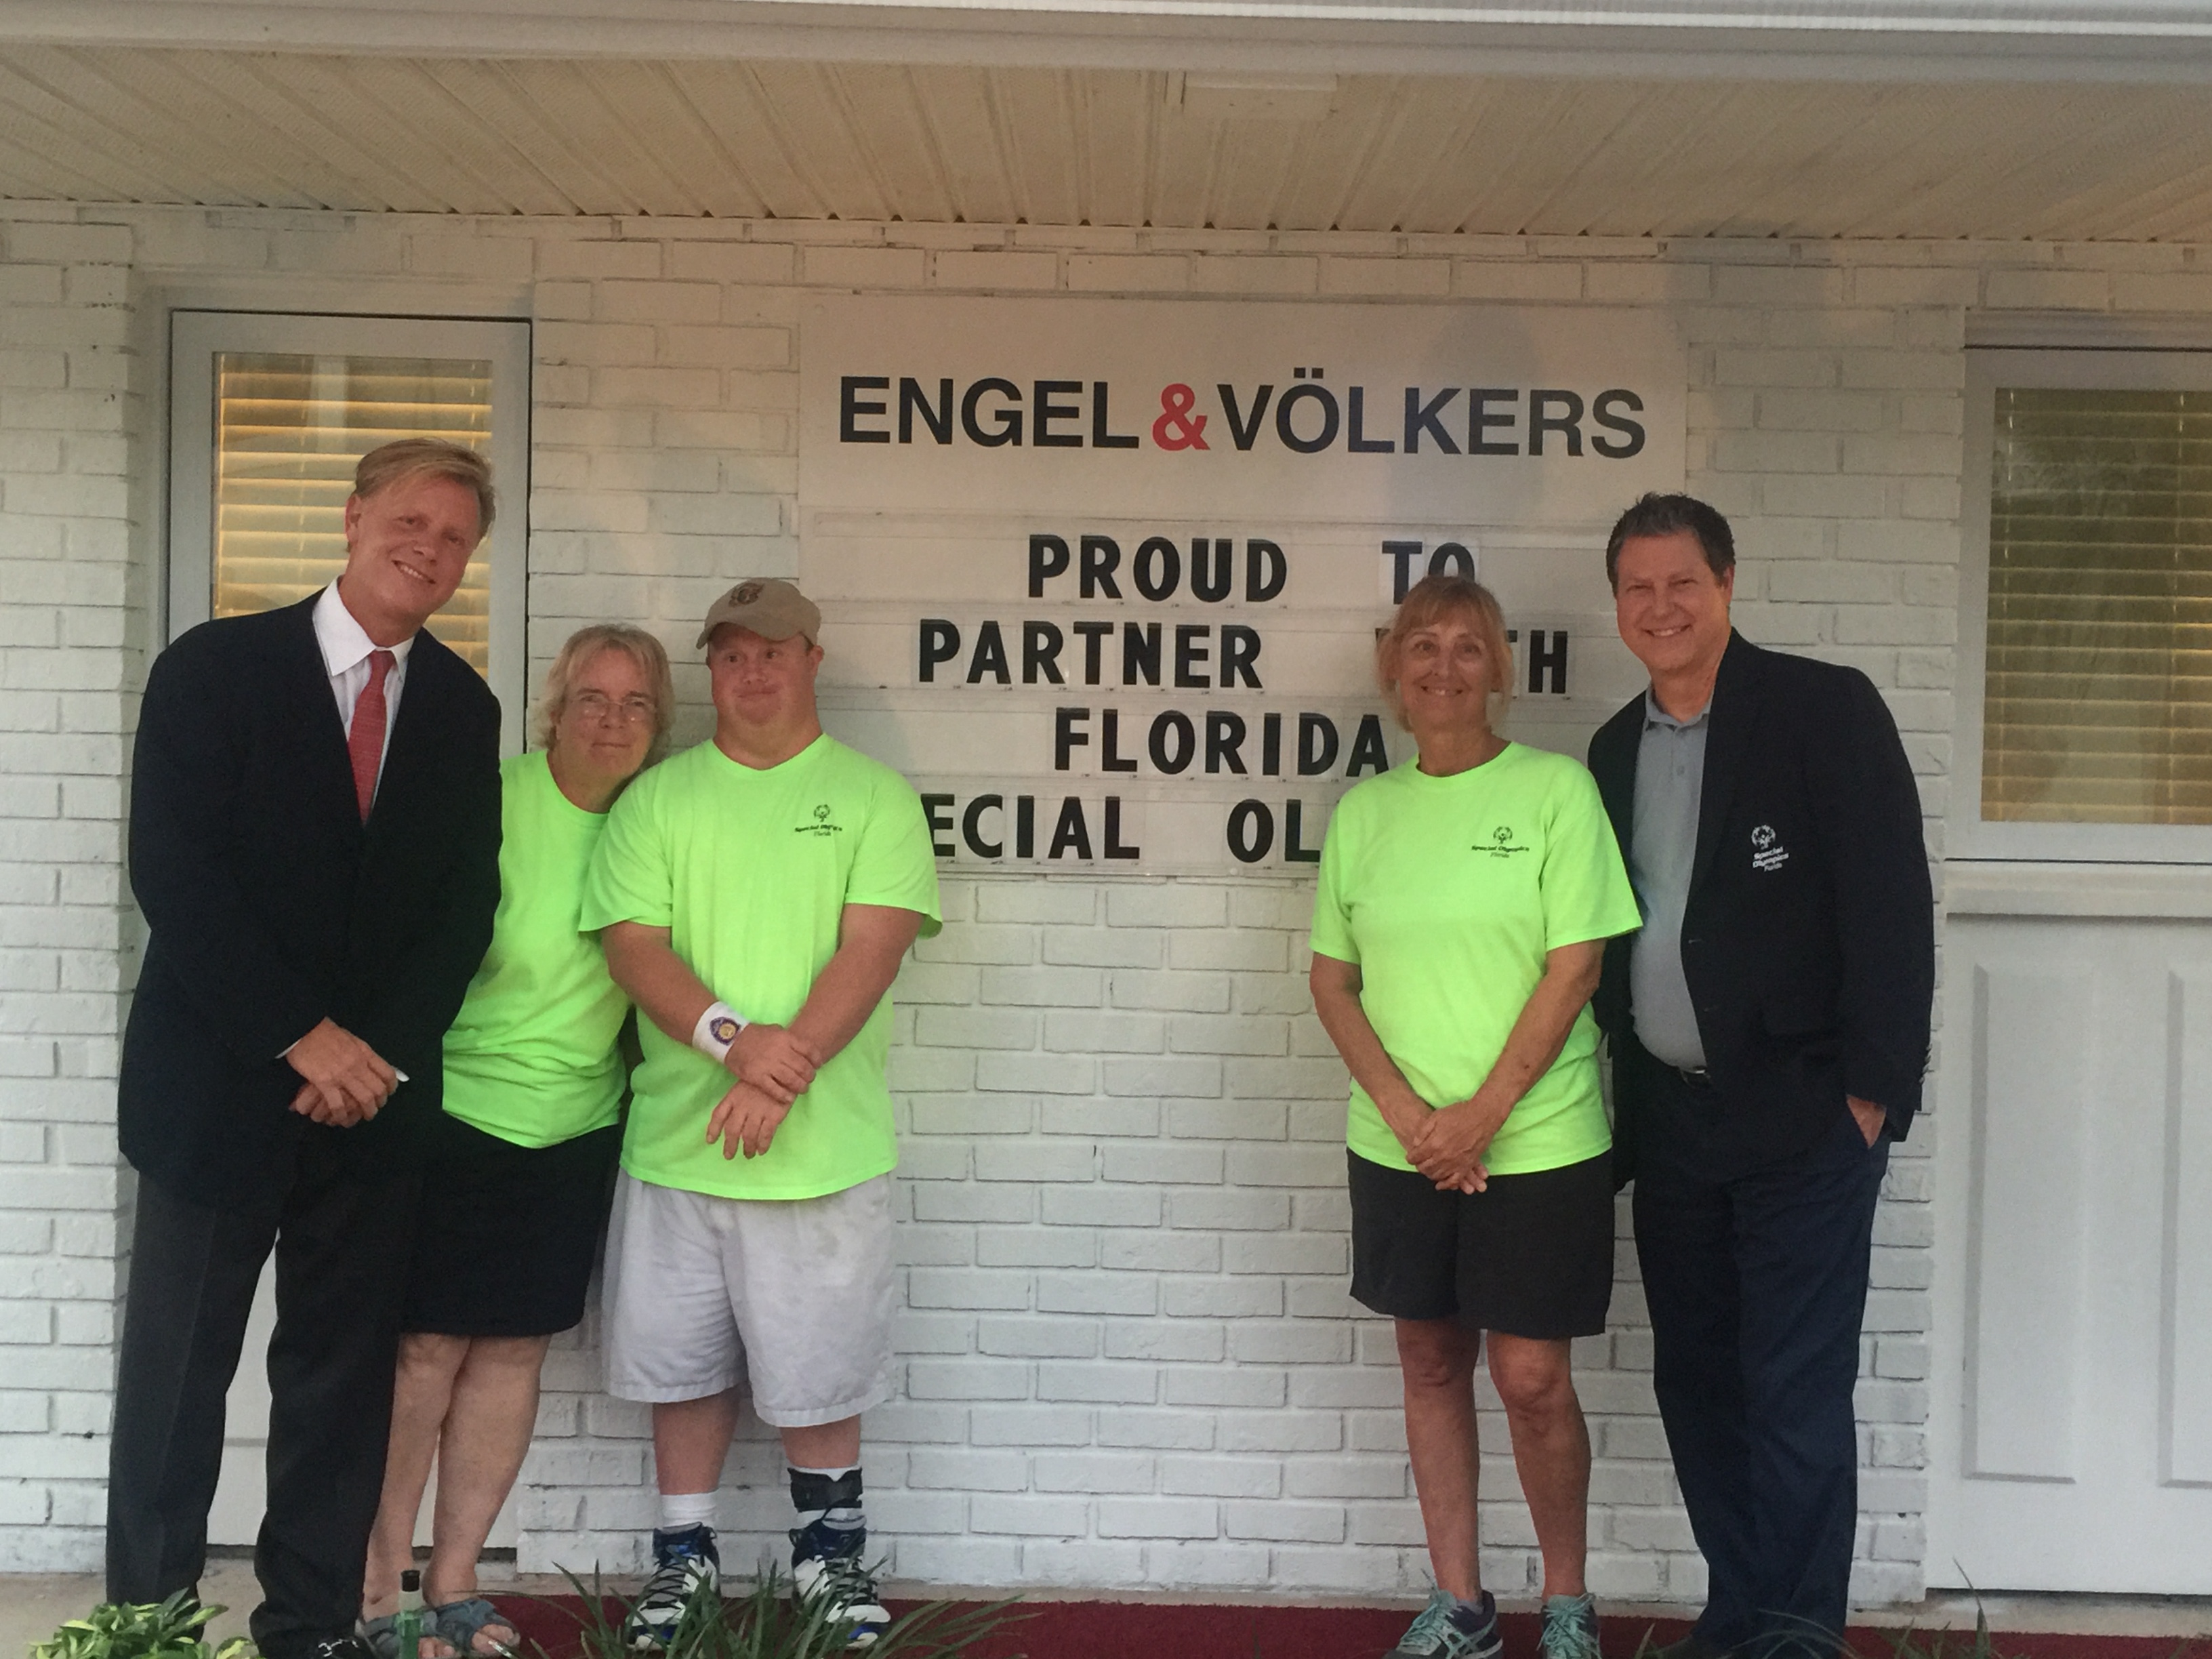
(1431, 600)
(429, 458)
(576, 654)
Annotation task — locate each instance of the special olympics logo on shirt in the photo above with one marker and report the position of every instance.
(821, 826)
(1767, 852)
(1503, 844)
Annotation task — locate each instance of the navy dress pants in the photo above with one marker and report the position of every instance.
(1756, 1284)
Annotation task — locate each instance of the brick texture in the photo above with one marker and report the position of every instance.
(1127, 1356)
(72, 649)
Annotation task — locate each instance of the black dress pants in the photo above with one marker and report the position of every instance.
(1756, 1285)
(342, 1243)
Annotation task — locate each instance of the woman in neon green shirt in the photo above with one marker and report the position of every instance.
(523, 1159)
(1462, 911)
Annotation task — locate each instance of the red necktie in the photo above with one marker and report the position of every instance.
(365, 739)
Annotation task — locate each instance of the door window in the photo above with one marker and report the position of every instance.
(270, 413)
(2086, 712)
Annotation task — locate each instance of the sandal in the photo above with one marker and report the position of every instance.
(458, 1623)
(382, 1635)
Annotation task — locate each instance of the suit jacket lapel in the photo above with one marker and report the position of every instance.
(1728, 740)
(331, 782)
(1616, 783)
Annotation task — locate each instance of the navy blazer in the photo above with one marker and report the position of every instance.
(272, 905)
(1808, 940)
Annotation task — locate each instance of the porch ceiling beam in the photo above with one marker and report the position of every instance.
(2127, 41)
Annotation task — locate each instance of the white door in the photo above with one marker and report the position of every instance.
(2070, 1390)
(244, 1488)
(2070, 1426)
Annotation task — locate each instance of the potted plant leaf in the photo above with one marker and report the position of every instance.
(766, 1624)
(142, 1629)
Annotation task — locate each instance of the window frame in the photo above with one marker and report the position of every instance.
(196, 334)
(2055, 368)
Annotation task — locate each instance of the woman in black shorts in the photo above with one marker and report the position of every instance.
(1462, 911)
(522, 1161)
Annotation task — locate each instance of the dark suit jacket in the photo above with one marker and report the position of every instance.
(1809, 938)
(272, 905)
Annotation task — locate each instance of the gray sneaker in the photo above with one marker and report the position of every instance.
(1446, 1630)
(1569, 1628)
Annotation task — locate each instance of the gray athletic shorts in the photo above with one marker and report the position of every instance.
(789, 1299)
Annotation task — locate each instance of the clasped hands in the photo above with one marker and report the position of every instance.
(1446, 1144)
(773, 1068)
(346, 1081)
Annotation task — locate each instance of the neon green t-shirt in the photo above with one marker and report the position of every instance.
(531, 1057)
(750, 870)
(1448, 893)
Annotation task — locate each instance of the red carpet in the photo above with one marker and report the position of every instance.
(1120, 1630)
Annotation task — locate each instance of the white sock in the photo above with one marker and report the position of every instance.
(686, 1508)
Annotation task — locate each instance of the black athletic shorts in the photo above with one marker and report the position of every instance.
(1530, 1255)
(506, 1236)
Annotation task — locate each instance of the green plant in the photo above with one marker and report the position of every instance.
(141, 1630)
(1912, 1644)
(766, 1622)
(1908, 1644)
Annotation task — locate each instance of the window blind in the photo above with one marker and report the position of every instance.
(2098, 700)
(288, 430)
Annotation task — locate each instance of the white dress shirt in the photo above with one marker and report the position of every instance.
(346, 649)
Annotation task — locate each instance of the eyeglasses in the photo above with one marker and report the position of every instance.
(598, 705)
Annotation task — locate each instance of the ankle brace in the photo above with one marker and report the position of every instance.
(831, 1497)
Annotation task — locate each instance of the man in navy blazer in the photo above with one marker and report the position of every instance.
(314, 843)
(1769, 1027)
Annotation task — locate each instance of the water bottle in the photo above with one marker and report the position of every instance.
(407, 1627)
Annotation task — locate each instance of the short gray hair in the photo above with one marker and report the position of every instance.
(576, 654)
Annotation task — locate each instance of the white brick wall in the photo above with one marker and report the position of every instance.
(1129, 1355)
(72, 650)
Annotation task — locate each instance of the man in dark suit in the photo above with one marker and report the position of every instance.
(314, 843)
(1769, 1027)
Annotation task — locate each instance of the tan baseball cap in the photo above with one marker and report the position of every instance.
(768, 605)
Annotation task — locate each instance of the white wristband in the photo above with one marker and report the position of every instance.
(717, 1030)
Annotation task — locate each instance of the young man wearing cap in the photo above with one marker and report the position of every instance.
(756, 895)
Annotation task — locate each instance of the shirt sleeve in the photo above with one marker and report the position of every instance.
(895, 864)
(1332, 920)
(630, 880)
(1585, 887)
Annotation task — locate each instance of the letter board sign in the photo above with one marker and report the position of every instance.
(1104, 578)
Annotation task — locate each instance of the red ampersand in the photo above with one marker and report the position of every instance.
(1178, 428)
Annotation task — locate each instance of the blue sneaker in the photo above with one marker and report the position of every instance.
(1446, 1629)
(832, 1582)
(1569, 1628)
(685, 1563)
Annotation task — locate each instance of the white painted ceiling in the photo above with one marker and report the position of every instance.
(1613, 155)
